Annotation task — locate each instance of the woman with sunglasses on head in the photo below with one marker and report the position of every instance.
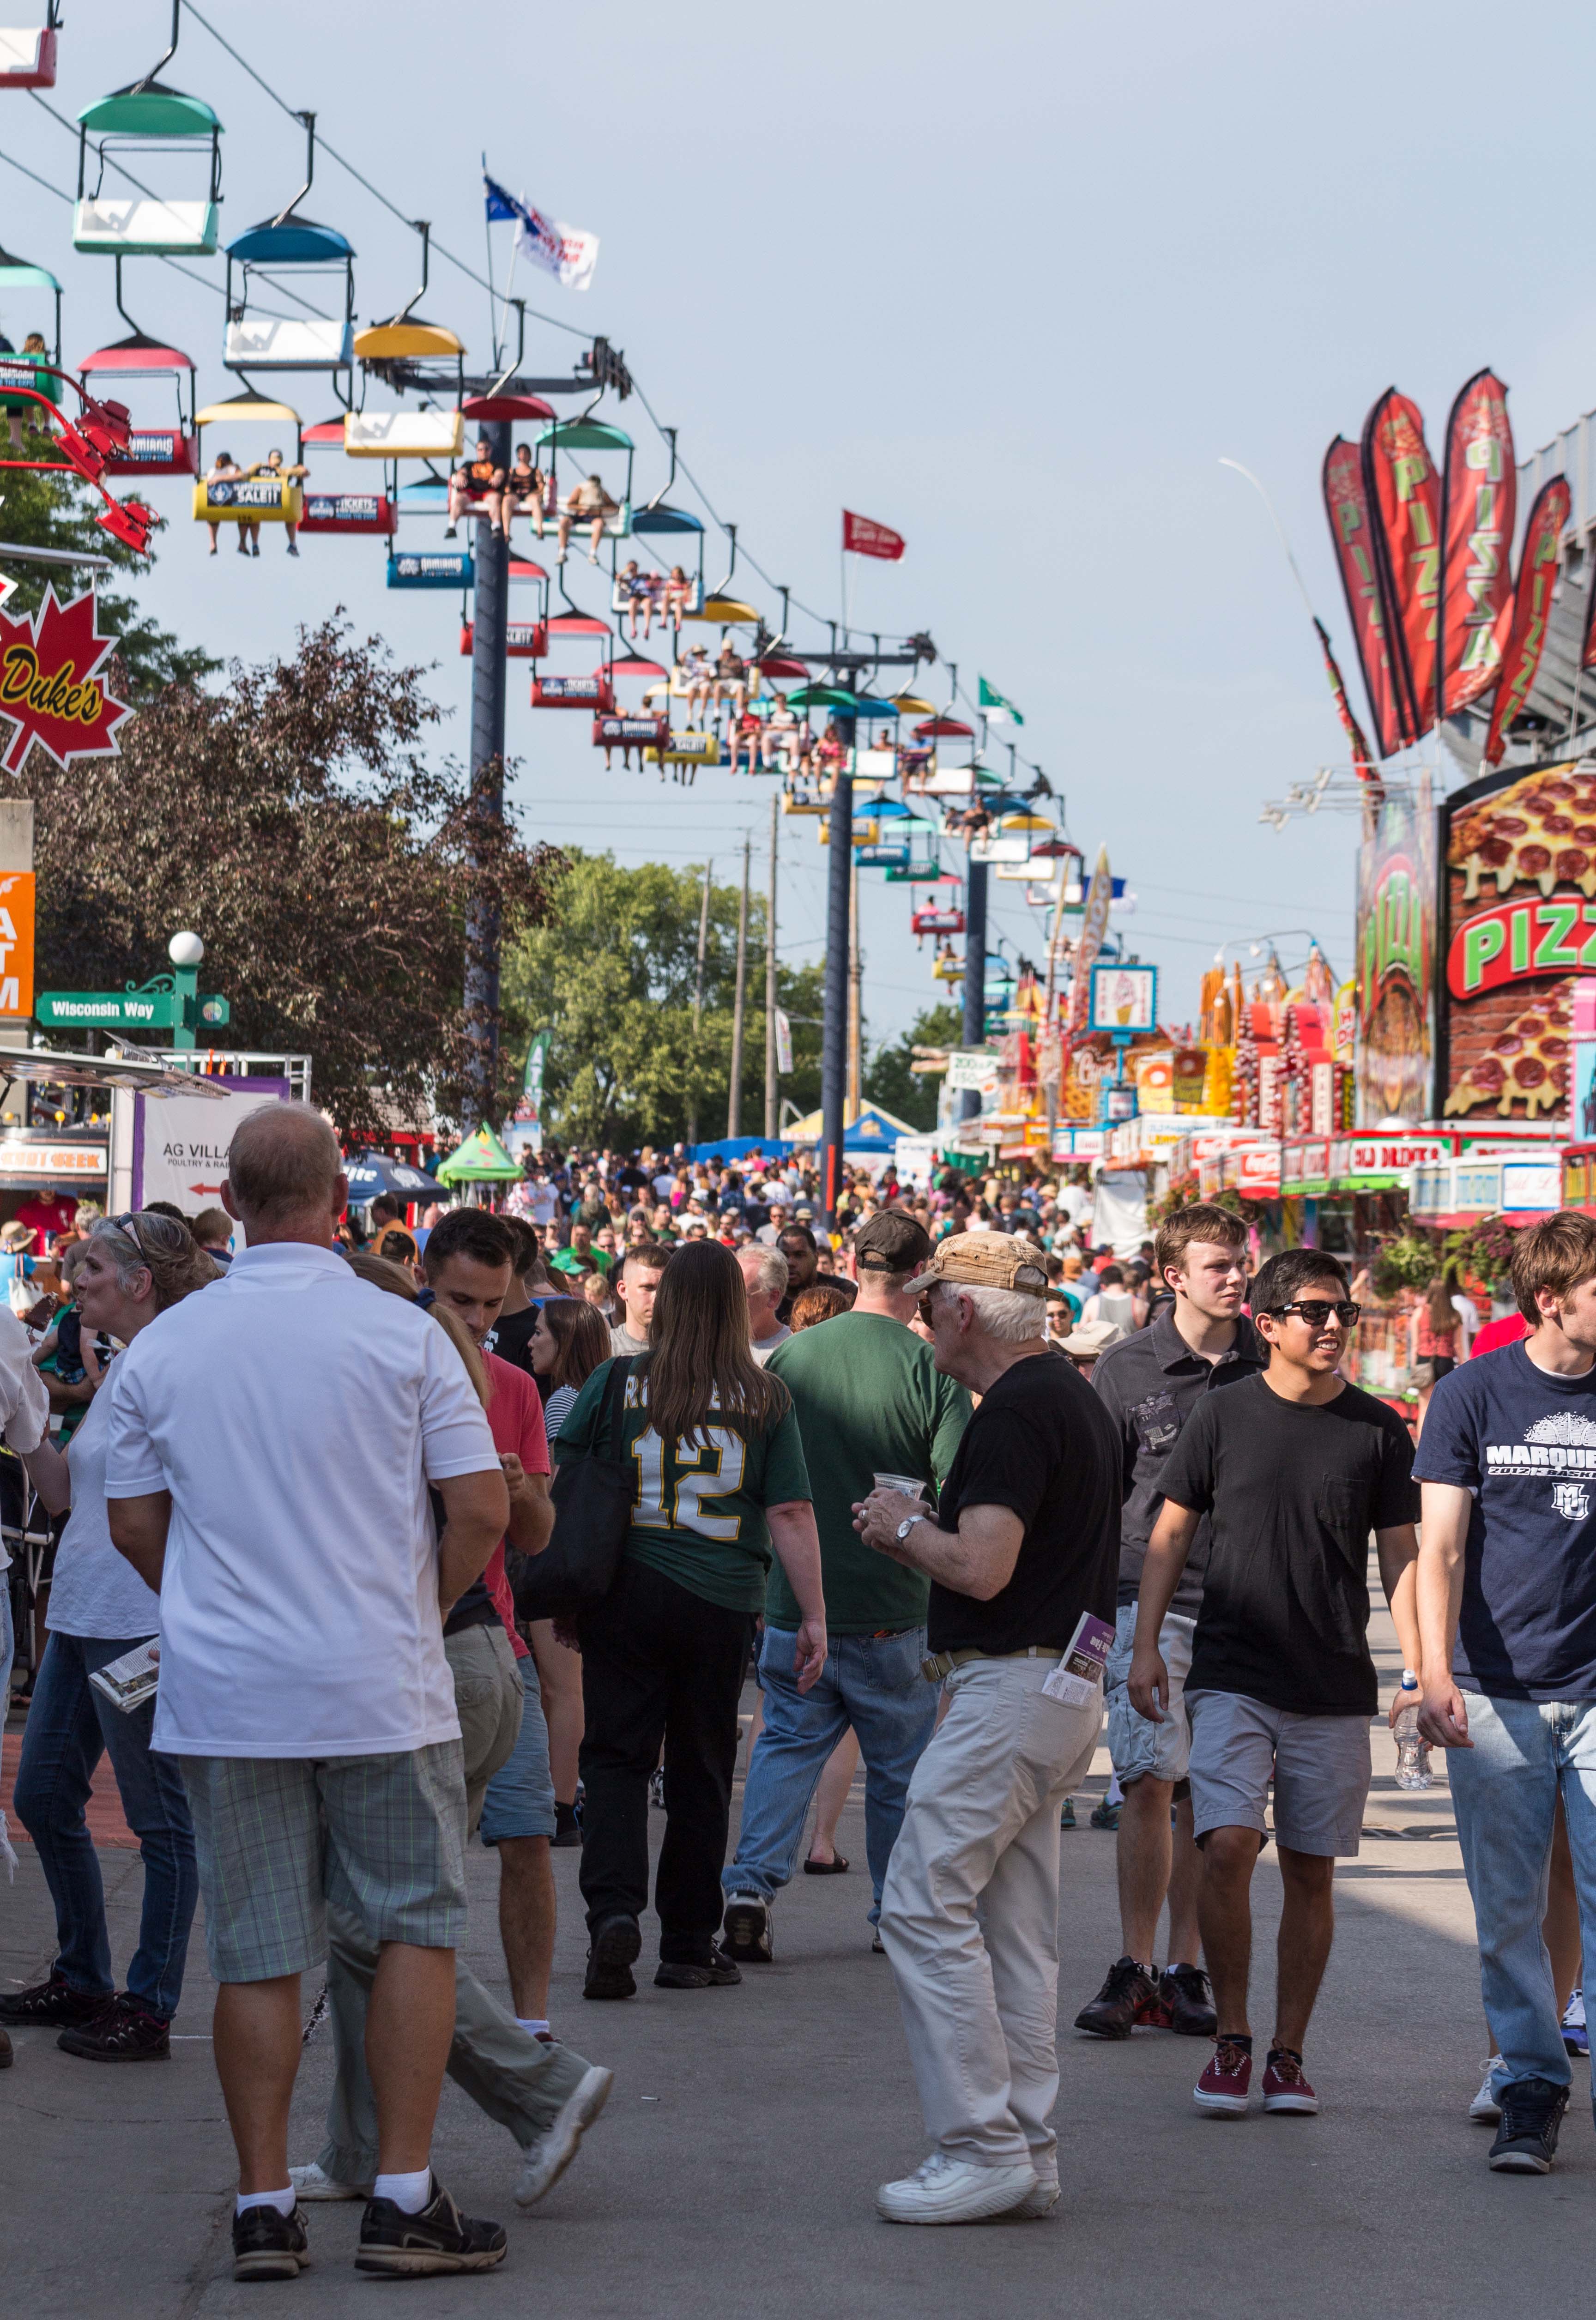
(134, 1267)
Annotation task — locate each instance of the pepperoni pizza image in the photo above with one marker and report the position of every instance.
(1540, 831)
(1527, 1064)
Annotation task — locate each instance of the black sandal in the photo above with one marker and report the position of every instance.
(836, 1867)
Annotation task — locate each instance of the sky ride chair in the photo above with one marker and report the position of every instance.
(101, 431)
(25, 363)
(257, 492)
(256, 339)
(28, 52)
(412, 356)
(152, 448)
(525, 639)
(612, 515)
(148, 119)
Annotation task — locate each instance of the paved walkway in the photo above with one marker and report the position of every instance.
(734, 2171)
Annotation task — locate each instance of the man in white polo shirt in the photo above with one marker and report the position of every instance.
(271, 1446)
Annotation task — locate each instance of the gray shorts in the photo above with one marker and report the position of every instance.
(278, 1837)
(520, 1795)
(488, 1703)
(1136, 1746)
(1320, 1767)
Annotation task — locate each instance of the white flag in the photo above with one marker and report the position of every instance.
(562, 250)
(783, 1043)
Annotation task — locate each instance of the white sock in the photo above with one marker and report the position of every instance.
(282, 2200)
(406, 2192)
(535, 2028)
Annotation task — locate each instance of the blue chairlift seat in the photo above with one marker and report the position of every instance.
(437, 568)
(309, 342)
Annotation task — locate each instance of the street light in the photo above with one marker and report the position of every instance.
(185, 950)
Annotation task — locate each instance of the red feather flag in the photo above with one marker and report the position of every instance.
(1363, 763)
(1532, 603)
(1404, 497)
(1346, 506)
(861, 536)
(1479, 505)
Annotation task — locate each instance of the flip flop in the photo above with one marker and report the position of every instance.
(836, 1867)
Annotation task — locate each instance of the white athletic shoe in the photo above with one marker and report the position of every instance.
(309, 2182)
(1484, 2109)
(943, 2190)
(1041, 2198)
(555, 2148)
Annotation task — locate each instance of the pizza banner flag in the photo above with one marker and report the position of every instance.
(861, 536)
(1479, 505)
(1346, 506)
(1532, 605)
(49, 688)
(1363, 763)
(1404, 497)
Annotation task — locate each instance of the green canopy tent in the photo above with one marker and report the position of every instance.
(481, 1159)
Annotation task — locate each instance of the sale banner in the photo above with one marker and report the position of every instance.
(1479, 504)
(861, 536)
(1346, 506)
(1532, 605)
(49, 689)
(1404, 497)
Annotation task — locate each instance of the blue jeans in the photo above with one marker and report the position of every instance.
(71, 1726)
(1504, 1792)
(873, 1682)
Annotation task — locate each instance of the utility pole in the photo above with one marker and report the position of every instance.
(975, 1033)
(772, 1113)
(734, 1100)
(490, 613)
(703, 939)
(855, 1009)
(834, 1037)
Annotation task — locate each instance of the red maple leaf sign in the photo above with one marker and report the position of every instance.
(50, 685)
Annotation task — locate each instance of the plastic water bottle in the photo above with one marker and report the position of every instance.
(1412, 1770)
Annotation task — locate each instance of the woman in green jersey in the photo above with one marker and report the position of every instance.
(717, 1482)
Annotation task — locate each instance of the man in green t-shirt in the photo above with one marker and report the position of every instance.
(869, 1400)
(581, 1257)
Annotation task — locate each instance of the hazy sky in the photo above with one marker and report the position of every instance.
(1010, 280)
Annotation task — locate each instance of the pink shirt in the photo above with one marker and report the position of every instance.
(515, 1416)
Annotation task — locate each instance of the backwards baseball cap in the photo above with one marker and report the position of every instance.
(891, 1242)
(983, 1260)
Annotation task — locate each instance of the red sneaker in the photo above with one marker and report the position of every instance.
(1223, 2086)
(1285, 2085)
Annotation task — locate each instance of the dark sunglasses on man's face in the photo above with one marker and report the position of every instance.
(923, 1306)
(1317, 1316)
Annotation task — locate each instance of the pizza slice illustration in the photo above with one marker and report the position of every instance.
(1540, 832)
(1528, 1064)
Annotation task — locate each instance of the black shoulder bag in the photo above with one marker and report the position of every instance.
(593, 1506)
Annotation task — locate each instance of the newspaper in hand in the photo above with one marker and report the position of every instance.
(128, 1682)
(1078, 1679)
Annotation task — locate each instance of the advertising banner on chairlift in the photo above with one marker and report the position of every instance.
(1403, 492)
(1532, 605)
(1479, 505)
(1346, 506)
(51, 690)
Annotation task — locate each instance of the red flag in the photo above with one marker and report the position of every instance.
(1348, 508)
(1478, 502)
(1404, 497)
(1532, 602)
(1363, 763)
(861, 536)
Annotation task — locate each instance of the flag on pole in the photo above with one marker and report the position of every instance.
(861, 536)
(783, 1042)
(562, 250)
(999, 708)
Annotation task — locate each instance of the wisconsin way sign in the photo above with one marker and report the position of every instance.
(130, 1011)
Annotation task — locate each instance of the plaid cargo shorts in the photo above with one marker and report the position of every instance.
(278, 1837)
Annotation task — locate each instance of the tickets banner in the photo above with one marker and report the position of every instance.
(1346, 506)
(1532, 605)
(1403, 492)
(1479, 505)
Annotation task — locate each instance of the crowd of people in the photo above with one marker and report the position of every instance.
(946, 1482)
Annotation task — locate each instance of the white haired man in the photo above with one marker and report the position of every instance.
(764, 1277)
(1024, 1542)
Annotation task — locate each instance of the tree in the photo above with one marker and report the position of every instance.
(609, 972)
(292, 822)
(889, 1082)
(57, 511)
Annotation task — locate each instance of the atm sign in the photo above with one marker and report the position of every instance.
(1518, 939)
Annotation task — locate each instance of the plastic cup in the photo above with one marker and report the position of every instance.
(910, 1485)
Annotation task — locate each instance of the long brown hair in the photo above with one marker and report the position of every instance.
(581, 1338)
(1443, 1315)
(698, 1348)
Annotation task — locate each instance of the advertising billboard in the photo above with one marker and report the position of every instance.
(1124, 999)
(1517, 926)
(1394, 1048)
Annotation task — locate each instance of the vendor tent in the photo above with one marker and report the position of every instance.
(481, 1159)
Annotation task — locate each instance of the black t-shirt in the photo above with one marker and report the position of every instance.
(1293, 1490)
(511, 1338)
(1042, 1444)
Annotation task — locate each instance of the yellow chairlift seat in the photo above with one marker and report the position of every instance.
(407, 342)
(248, 407)
(727, 611)
(801, 801)
(1023, 822)
(404, 434)
(909, 705)
(250, 499)
(686, 749)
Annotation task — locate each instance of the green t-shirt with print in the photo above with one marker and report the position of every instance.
(698, 1508)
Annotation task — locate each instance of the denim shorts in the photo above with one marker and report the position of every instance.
(520, 1800)
(1136, 1745)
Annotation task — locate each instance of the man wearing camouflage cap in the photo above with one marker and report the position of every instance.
(1025, 1541)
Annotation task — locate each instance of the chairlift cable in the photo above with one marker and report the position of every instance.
(12, 162)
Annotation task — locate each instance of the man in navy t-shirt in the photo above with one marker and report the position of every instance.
(1507, 1613)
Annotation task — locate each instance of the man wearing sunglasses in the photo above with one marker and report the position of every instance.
(1294, 1468)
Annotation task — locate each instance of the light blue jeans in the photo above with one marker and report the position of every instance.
(873, 1682)
(1504, 1792)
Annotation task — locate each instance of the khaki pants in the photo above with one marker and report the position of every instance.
(970, 1913)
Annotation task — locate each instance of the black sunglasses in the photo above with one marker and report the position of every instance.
(128, 1223)
(1316, 1314)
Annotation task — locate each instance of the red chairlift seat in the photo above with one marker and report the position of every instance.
(593, 692)
(149, 450)
(325, 431)
(351, 514)
(523, 639)
(634, 667)
(944, 729)
(520, 569)
(28, 53)
(781, 669)
(577, 624)
(484, 410)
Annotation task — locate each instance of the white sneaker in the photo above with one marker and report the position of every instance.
(943, 2190)
(555, 2148)
(1040, 2200)
(1484, 2109)
(309, 2182)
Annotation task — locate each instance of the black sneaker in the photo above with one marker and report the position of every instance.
(438, 2239)
(718, 1972)
(124, 2033)
(1105, 1814)
(748, 1931)
(267, 2245)
(54, 2000)
(1526, 2140)
(1121, 2003)
(611, 1957)
(1184, 1990)
(567, 1828)
(7, 2056)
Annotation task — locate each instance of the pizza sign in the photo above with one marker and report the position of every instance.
(50, 684)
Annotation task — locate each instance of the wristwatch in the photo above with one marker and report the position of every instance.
(905, 1526)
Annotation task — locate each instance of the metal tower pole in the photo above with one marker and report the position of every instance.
(772, 1109)
(734, 1100)
(975, 1031)
(490, 613)
(834, 1037)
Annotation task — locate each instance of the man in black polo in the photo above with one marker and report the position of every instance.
(1151, 1382)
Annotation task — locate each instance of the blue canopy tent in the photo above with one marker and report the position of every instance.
(725, 1148)
(375, 1171)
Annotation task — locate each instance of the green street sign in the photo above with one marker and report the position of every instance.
(152, 1008)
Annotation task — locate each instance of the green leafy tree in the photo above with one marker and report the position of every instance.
(610, 972)
(889, 1080)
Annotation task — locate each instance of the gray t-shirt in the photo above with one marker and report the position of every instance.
(768, 1345)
